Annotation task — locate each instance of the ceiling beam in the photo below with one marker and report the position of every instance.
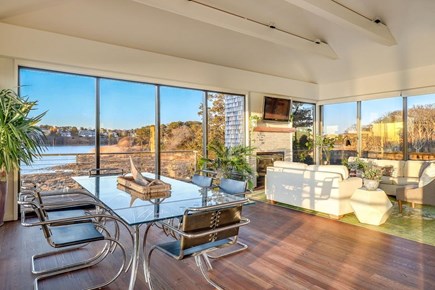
(242, 25)
(339, 14)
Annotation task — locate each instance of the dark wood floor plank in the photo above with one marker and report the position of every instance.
(287, 250)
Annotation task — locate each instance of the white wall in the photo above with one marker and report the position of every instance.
(8, 80)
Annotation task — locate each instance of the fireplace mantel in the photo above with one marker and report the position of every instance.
(274, 129)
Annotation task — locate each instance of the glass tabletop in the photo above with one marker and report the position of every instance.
(135, 209)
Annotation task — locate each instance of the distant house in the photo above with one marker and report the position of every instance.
(87, 133)
(65, 134)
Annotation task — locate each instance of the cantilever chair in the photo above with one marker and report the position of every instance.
(59, 204)
(202, 181)
(238, 188)
(70, 233)
(203, 230)
(232, 186)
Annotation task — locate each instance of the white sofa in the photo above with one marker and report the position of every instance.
(398, 173)
(323, 188)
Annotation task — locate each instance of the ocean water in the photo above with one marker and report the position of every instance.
(46, 163)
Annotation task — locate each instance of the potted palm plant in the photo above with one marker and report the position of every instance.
(228, 162)
(20, 139)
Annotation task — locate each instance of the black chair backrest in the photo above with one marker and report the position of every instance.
(232, 186)
(203, 181)
(209, 221)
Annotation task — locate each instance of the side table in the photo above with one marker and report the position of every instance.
(371, 206)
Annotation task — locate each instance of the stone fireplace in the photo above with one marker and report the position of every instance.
(271, 144)
(265, 159)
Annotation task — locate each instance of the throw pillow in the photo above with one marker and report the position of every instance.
(387, 170)
(428, 175)
(138, 178)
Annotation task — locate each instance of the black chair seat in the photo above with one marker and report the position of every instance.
(64, 214)
(173, 248)
(64, 236)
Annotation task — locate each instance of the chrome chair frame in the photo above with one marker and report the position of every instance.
(87, 222)
(240, 190)
(200, 238)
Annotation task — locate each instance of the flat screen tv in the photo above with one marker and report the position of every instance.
(276, 109)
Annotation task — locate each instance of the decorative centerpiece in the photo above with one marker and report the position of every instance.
(153, 197)
(142, 184)
(372, 175)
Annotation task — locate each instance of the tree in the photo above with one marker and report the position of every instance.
(74, 131)
(143, 135)
(216, 117)
(421, 126)
(302, 115)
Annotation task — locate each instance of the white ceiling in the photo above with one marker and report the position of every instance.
(139, 25)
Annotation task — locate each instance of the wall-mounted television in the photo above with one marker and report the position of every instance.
(276, 109)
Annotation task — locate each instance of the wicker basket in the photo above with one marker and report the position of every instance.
(155, 185)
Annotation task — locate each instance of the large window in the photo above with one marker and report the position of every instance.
(303, 121)
(421, 127)
(96, 122)
(339, 122)
(382, 128)
(181, 130)
(127, 117)
(69, 125)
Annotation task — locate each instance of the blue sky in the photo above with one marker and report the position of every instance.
(70, 101)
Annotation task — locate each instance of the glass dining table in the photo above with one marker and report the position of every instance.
(136, 210)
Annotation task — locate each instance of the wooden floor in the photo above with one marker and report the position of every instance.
(287, 250)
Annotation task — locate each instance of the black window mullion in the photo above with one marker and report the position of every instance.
(97, 124)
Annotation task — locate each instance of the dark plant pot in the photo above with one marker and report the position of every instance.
(3, 192)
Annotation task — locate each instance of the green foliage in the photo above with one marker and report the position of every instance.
(357, 164)
(324, 143)
(216, 117)
(20, 139)
(302, 116)
(230, 161)
(372, 172)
